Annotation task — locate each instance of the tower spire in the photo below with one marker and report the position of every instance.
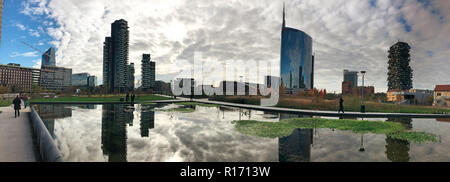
(284, 16)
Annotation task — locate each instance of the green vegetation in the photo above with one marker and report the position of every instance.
(184, 110)
(351, 104)
(5, 103)
(416, 137)
(284, 128)
(111, 98)
(197, 104)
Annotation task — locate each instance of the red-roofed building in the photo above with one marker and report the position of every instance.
(442, 95)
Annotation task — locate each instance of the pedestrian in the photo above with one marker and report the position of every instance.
(16, 103)
(341, 105)
(25, 100)
(132, 97)
(127, 98)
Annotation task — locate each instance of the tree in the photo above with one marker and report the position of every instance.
(35, 89)
(3, 90)
(399, 71)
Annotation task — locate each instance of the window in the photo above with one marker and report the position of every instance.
(439, 94)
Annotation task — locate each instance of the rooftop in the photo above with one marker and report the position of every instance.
(442, 88)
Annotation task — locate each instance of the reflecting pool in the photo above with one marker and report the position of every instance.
(157, 133)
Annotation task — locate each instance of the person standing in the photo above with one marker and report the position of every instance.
(132, 97)
(341, 105)
(16, 103)
(127, 97)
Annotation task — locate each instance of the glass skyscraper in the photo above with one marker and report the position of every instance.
(296, 69)
(48, 59)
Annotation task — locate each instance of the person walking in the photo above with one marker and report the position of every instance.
(25, 100)
(16, 103)
(341, 105)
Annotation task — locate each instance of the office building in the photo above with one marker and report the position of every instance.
(83, 80)
(19, 79)
(351, 76)
(48, 58)
(130, 76)
(296, 68)
(116, 71)
(148, 72)
(55, 78)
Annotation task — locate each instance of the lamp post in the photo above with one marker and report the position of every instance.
(363, 107)
(361, 148)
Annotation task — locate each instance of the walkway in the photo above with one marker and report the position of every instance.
(324, 113)
(16, 138)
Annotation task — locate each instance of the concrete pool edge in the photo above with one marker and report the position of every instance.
(46, 146)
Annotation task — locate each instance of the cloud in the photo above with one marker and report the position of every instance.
(26, 54)
(20, 26)
(347, 34)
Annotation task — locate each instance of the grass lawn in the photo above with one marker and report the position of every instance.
(5, 103)
(285, 127)
(111, 98)
(350, 105)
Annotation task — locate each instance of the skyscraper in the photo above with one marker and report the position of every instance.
(1, 17)
(48, 58)
(351, 76)
(296, 68)
(400, 72)
(148, 72)
(130, 75)
(115, 58)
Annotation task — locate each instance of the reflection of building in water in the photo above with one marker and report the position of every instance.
(114, 131)
(88, 106)
(405, 122)
(147, 120)
(397, 150)
(49, 113)
(296, 147)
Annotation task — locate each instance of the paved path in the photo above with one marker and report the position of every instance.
(16, 138)
(324, 113)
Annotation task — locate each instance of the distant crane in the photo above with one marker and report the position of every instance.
(36, 49)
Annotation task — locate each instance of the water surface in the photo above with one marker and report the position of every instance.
(141, 133)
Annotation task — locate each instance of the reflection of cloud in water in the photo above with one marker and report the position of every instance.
(199, 136)
(209, 135)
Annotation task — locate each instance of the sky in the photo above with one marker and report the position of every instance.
(347, 34)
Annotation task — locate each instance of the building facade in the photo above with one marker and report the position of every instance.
(351, 76)
(442, 95)
(83, 80)
(412, 96)
(148, 72)
(116, 71)
(296, 60)
(48, 58)
(55, 78)
(130, 76)
(17, 78)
